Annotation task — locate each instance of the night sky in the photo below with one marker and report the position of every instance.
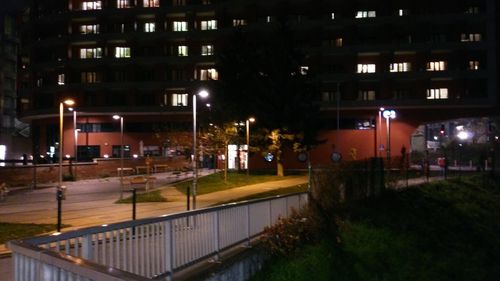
(10, 5)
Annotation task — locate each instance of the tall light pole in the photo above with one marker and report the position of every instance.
(202, 94)
(379, 127)
(249, 120)
(118, 117)
(75, 138)
(59, 195)
(388, 115)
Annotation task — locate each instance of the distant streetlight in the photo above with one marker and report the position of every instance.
(59, 195)
(388, 115)
(249, 120)
(202, 94)
(463, 135)
(118, 117)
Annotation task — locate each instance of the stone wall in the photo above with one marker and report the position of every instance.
(44, 174)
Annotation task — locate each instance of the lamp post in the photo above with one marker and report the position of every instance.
(75, 138)
(59, 195)
(379, 127)
(249, 120)
(388, 115)
(118, 117)
(202, 94)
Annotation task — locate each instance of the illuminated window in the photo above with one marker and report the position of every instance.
(151, 3)
(400, 67)
(89, 29)
(120, 4)
(206, 2)
(436, 66)
(470, 37)
(91, 5)
(180, 26)
(304, 70)
(269, 19)
(439, 93)
(332, 16)
(207, 50)
(367, 95)
(473, 65)
(366, 68)
(403, 12)
(60, 79)
(239, 22)
(182, 51)
(366, 14)
(90, 77)
(122, 52)
(339, 42)
(179, 99)
(149, 27)
(208, 24)
(90, 53)
(209, 74)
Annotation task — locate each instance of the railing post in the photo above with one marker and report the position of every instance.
(216, 235)
(87, 247)
(247, 213)
(169, 250)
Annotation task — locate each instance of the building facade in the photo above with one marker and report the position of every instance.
(143, 59)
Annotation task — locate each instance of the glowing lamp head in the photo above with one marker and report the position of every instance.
(203, 93)
(251, 119)
(389, 114)
(116, 117)
(69, 102)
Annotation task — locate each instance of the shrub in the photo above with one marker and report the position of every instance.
(289, 234)
(68, 177)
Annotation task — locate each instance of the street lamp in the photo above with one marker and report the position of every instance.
(388, 115)
(249, 120)
(75, 138)
(59, 196)
(118, 117)
(202, 94)
(379, 139)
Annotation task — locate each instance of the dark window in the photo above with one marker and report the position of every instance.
(88, 152)
(115, 151)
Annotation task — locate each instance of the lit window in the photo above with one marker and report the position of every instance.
(470, 37)
(91, 5)
(239, 22)
(304, 70)
(473, 65)
(122, 52)
(60, 79)
(269, 19)
(367, 95)
(90, 77)
(149, 27)
(182, 51)
(206, 2)
(209, 74)
(89, 29)
(403, 12)
(366, 68)
(436, 66)
(339, 42)
(366, 14)
(151, 3)
(439, 93)
(207, 50)
(208, 24)
(180, 26)
(120, 4)
(400, 67)
(332, 16)
(90, 53)
(179, 99)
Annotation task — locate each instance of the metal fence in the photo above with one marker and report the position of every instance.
(147, 248)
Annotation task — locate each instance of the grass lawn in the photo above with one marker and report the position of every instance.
(153, 196)
(12, 231)
(442, 231)
(281, 191)
(215, 182)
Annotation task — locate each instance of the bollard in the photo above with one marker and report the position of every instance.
(59, 197)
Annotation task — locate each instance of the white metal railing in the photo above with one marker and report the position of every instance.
(147, 248)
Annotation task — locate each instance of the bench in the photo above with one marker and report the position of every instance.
(160, 167)
(125, 170)
(147, 182)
